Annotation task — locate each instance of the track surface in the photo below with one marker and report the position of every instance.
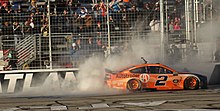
(142, 101)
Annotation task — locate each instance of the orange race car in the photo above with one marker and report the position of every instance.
(154, 76)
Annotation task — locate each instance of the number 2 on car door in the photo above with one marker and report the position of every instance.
(162, 80)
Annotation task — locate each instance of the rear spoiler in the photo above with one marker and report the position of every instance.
(110, 71)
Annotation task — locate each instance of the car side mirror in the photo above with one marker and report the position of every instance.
(175, 74)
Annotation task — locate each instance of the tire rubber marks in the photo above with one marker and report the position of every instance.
(51, 108)
(154, 103)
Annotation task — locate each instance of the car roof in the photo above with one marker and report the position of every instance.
(148, 64)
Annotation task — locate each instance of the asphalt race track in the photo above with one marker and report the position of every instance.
(184, 100)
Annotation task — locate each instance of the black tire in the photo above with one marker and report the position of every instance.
(191, 83)
(134, 85)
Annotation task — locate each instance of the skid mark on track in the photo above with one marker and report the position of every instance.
(100, 105)
(9, 109)
(52, 108)
(154, 103)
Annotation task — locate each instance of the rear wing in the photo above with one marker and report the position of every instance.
(110, 71)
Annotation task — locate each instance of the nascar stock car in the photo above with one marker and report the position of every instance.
(155, 76)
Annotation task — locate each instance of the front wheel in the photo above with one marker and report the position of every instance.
(133, 85)
(191, 83)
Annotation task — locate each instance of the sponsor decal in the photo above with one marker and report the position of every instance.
(144, 78)
(126, 75)
(175, 81)
(11, 83)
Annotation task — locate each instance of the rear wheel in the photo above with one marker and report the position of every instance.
(133, 85)
(191, 83)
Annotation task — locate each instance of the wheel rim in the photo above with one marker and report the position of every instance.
(133, 84)
(192, 82)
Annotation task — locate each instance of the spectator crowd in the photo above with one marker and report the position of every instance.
(73, 16)
(87, 21)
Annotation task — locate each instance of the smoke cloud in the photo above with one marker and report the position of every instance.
(89, 81)
(133, 51)
(203, 62)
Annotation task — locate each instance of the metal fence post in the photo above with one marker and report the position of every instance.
(109, 39)
(50, 44)
(162, 29)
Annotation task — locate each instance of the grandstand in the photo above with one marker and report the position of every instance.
(80, 29)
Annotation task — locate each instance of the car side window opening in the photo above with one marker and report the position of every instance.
(153, 69)
(138, 70)
(158, 70)
(169, 71)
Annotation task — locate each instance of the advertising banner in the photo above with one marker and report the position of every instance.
(24, 80)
